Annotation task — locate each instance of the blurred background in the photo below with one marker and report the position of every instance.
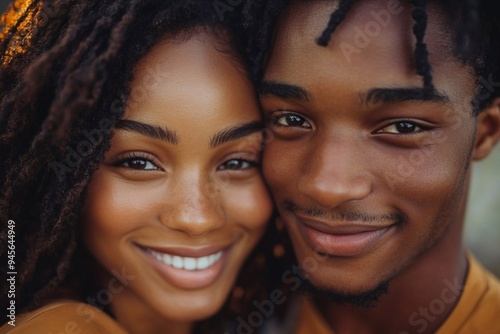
(482, 230)
(3, 5)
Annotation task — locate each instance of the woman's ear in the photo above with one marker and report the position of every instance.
(488, 130)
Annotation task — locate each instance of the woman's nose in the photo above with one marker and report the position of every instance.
(196, 207)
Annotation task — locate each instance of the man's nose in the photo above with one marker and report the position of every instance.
(335, 173)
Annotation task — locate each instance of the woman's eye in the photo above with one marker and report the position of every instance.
(136, 163)
(291, 121)
(402, 128)
(237, 164)
(140, 164)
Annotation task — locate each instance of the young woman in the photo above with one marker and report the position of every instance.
(130, 140)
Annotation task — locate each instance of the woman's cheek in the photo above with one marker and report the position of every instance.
(249, 205)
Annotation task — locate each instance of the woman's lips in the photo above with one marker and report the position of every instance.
(342, 240)
(188, 272)
(187, 263)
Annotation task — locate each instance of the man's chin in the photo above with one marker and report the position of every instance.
(363, 299)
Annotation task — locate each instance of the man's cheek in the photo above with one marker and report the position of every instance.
(274, 171)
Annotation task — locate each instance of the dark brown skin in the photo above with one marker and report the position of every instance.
(338, 154)
(179, 195)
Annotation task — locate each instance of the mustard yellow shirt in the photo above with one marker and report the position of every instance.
(477, 311)
(69, 317)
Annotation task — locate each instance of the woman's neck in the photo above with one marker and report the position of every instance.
(138, 318)
(131, 312)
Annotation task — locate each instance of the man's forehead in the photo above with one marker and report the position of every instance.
(368, 24)
(375, 41)
(295, 41)
(307, 18)
(304, 22)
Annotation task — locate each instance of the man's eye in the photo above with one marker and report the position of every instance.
(237, 164)
(402, 128)
(290, 121)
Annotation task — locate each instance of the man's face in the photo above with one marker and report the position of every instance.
(363, 169)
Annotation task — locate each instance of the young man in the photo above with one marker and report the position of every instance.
(369, 161)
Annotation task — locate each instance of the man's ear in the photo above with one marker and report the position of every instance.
(488, 130)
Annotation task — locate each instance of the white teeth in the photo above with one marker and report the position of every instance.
(202, 262)
(177, 262)
(187, 263)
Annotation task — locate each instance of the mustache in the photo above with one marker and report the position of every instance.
(344, 215)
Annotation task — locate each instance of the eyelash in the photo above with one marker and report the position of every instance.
(274, 121)
(421, 128)
(251, 164)
(137, 156)
(120, 162)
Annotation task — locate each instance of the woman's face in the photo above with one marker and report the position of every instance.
(178, 202)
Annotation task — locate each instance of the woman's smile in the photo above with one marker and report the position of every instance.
(188, 272)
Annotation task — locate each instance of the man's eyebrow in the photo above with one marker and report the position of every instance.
(148, 130)
(235, 132)
(287, 91)
(397, 95)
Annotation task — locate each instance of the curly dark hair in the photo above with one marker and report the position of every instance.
(474, 25)
(65, 70)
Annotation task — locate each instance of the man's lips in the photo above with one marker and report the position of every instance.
(341, 238)
(340, 228)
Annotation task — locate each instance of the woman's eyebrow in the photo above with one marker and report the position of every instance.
(153, 131)
(235, 132)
